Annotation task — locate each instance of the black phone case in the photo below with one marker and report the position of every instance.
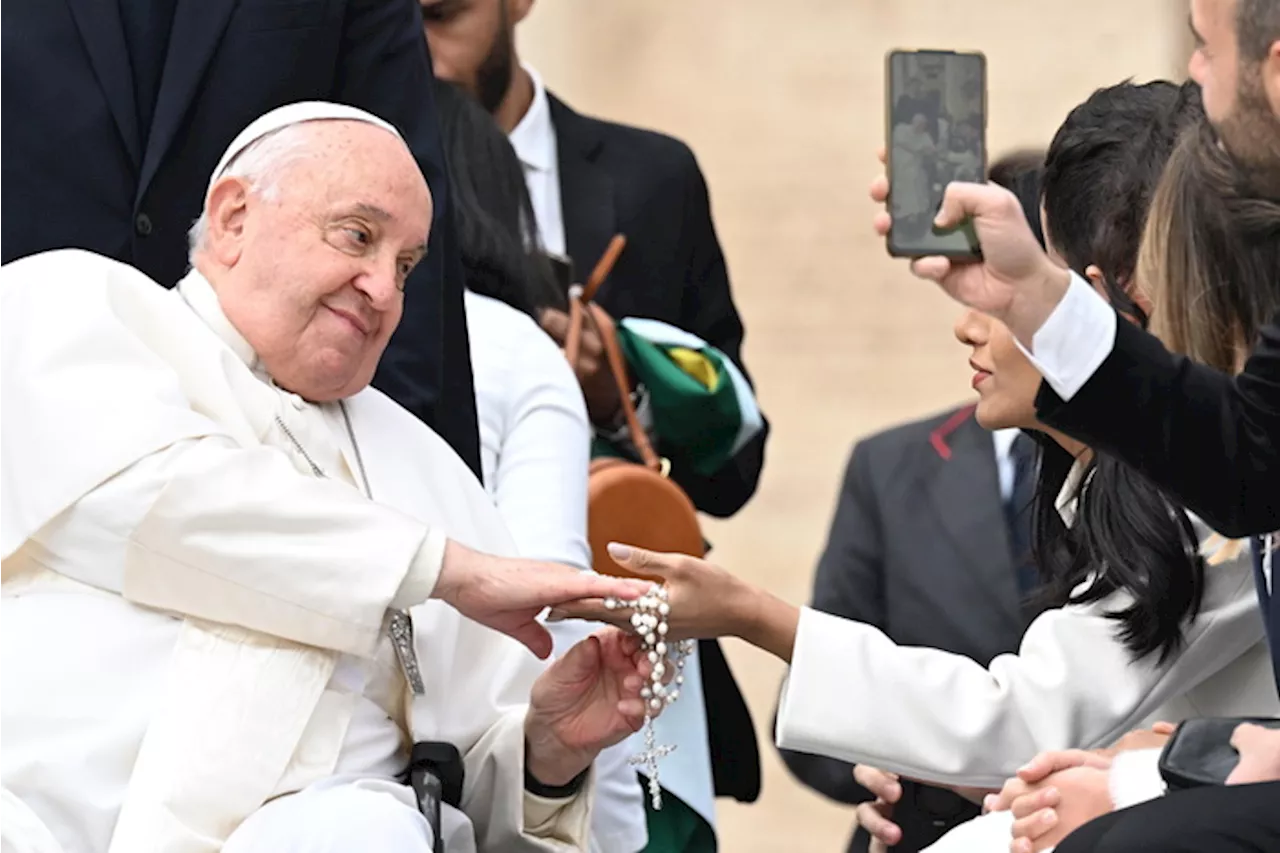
(1199, 752)
(902, 252)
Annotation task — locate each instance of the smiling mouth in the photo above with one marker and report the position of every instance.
(354, 321)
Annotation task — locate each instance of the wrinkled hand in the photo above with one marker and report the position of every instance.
(1259, 749)
(599, 388)
(1015, 281)
(588, 700)
(1058, 806)
(876, 817)
(507, 595)
(704, 598)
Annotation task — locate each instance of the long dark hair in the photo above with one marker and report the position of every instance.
(1101, 172)
(497, 232)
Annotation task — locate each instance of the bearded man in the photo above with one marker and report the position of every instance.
(238, 582)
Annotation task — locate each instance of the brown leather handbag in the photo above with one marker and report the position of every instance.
(632, 503)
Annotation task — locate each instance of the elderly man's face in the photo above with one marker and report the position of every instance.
(314, 278)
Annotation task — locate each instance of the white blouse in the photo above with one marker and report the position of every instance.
(535, 447)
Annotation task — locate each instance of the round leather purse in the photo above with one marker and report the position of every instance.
(633, 503)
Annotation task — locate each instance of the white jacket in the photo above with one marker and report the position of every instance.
(194, 622)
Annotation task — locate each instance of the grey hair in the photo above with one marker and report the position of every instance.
(261, 164)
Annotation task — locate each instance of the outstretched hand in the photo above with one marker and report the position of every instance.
(705, 602)
(507, 595)
(703, 597)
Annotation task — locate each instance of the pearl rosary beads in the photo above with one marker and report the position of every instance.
(649, 621)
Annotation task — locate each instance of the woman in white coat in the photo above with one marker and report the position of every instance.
(1145, 631)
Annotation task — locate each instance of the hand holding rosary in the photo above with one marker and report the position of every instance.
(649, 615)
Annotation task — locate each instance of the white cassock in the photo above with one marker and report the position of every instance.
(195, 623)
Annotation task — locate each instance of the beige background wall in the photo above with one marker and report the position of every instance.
(782, 102)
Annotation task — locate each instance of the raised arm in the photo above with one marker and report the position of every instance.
(1207, 438)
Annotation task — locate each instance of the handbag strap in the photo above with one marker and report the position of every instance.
(583, 311)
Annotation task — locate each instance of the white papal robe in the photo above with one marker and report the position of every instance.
(194, 622)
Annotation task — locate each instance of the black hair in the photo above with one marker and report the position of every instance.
(1100, 175)
(1101, 171)
(1022, 173)
(497, 232)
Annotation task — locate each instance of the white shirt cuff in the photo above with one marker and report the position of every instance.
(420, 581)
(1135, 777)
(1075, 340)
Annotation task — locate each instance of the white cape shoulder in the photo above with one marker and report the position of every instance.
(99, 366)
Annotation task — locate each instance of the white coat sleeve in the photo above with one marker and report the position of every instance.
(236, 535)
(852, 694)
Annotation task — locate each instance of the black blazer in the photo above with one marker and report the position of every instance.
(919, 548)
(1210, 440)
(615, 178)
(78, 171)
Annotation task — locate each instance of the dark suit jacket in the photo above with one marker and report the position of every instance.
(78, 171)
(615, 178)
(919, 548)
(1210, 440)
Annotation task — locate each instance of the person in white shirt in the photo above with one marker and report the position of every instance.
(227, 559)
(535, 439)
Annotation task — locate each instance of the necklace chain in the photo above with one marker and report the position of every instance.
(400, 625)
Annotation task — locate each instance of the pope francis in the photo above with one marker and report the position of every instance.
(238, 582)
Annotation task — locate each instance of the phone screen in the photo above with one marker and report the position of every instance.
(936, 134)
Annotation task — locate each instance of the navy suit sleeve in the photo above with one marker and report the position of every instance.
(386, 69)
(708, 311)
(849, 583)
(1209, 439)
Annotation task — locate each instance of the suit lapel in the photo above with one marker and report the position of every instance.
(586, 190)
(197, 29)
(99, 25)
(974, 522)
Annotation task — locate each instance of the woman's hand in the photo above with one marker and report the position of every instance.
(705, 601)
(876, 816)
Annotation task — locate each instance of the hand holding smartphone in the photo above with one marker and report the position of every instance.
(936, 123)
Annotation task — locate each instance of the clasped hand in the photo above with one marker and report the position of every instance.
(1059, 791)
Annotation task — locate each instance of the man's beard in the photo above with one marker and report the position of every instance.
(1251, 135)
(493, 77)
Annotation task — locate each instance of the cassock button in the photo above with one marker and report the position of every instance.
(142, 225)
(298, 402)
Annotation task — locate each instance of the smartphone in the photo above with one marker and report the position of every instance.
(936, 129)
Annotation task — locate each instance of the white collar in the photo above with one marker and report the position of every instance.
(1004, 439)
(203, 299)
(1066, 500)
(534, 137)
